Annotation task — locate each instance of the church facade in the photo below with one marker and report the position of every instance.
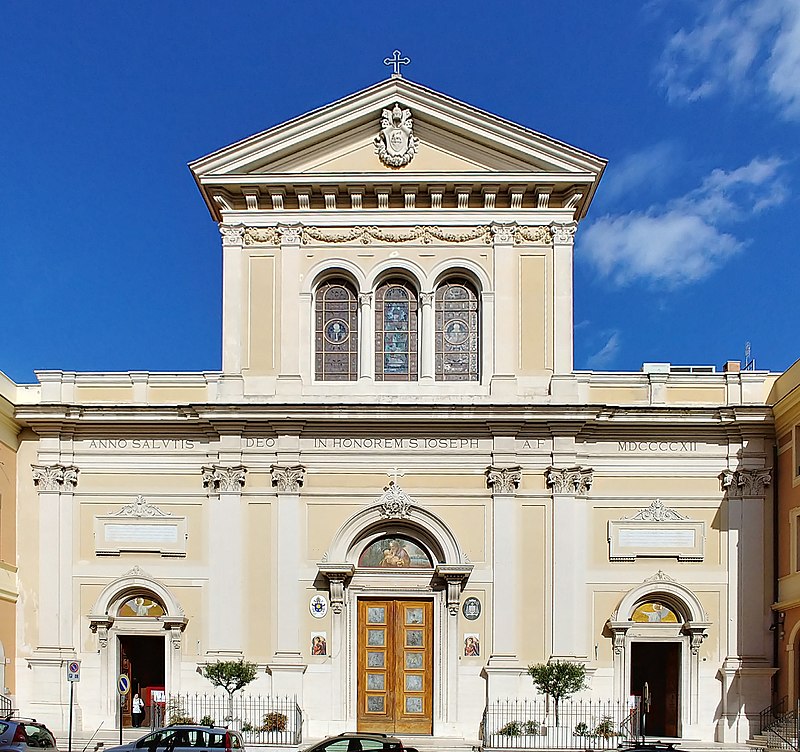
(398, 492)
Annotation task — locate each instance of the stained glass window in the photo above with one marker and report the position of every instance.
(336, 332)
(395, 332)
(457, 332)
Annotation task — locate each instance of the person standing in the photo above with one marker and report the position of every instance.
(137, 710)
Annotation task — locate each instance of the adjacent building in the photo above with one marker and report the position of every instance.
(398, 492)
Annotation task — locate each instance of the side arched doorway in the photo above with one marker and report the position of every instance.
(394, 572)
(139, 628)
(657, 630)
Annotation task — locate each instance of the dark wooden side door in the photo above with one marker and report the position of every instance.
(395, 666)
(125, 668)
(658, 664)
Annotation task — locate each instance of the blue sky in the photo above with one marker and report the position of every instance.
(109, 260)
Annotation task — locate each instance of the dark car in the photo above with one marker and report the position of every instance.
(24, 735)
(352, 742)
(185, 738)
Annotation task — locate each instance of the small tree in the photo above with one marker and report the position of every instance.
(231, 676)
(559, 679)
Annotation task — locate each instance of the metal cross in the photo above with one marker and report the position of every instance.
(396, 61)
(394, 474)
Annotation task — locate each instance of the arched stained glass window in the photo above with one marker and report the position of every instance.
(457, 332)
(336, 332)
(395, 332)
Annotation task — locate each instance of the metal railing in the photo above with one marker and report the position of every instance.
(6, 707)
(582, 724)
(769, 715)
(261, 720)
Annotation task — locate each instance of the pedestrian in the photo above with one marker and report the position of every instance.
(137, 710)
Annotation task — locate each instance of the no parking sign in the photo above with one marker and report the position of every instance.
(73, 671)
(123, 684)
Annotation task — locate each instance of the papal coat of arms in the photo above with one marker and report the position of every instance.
(396, 143)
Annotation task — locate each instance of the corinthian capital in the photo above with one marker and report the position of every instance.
(55, 477)
(569, 480)
(503, 234)
(503, 480)
(288, 479)
(221, 479)
(290, 235)
(231, 234)
(745, 482)
(563, 234)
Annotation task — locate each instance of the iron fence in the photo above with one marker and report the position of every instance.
(262, 720)
(6, 706)
(582, 724)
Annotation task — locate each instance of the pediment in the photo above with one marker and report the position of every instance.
(338, 142)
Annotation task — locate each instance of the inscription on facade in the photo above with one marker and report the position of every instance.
(395, 443)
(142, 444)
(657, 446)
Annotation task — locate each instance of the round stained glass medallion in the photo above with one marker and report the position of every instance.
(456, 332)
(337, 331)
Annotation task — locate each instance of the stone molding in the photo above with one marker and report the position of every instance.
(563, 234)
(337, 575)
(503, 480)
(656, 512)
(290, 234)
(140, 508)
(455, 577)
(232, 234)
(745, 482)
(288, 479)
(394, 503)
(503, 234)
(570, 480)
(222, 479)
(62, 478)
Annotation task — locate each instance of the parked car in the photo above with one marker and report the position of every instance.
(24, 734)
(352, 742)
(185, 738)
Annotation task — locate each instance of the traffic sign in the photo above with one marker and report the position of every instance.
(123, 684)
(73, 671)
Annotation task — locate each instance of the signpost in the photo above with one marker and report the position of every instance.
(73, 675)
(123, 687)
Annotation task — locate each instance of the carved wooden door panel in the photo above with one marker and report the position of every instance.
(395, 666)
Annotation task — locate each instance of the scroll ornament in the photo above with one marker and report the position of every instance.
(657, 512)
(395, 503)
(140, 508)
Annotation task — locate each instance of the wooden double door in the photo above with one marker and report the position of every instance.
(395, 666)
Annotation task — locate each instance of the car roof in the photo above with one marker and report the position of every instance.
(366, 735)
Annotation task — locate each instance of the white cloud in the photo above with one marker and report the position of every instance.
(654, 163)
(607, 352)
(742, 46)
(683, 241)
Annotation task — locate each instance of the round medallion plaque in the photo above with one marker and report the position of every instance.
(471, 608)
(318, 606)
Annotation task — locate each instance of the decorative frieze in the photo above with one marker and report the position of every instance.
(268, 235)
(570, 480)
(424, 234)
(745, 482)
(503, 480)
(539, 234)
(62, 478)
(221, 479)
(288, 479)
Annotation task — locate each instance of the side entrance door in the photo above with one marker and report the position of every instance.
(658, 664)
(395, 666)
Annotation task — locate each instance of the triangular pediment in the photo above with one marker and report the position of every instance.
(338, 141)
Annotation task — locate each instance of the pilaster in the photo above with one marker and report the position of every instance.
(506, 310)
(289, 372)
(366, 338)
(569, 487)
(563, 242)
(233, 268)
(224, 484)
(427, 343)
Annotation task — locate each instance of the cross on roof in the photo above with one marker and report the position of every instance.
(396, 61)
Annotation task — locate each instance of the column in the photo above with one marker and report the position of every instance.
(503, 669)
(338, 575)
(233, 332)
(506, 311)
(570, 543)
(287, 666)
(747, 669)
(366, 338)
(427, 344)
(225, 561)
(289, 372)
(563, 242)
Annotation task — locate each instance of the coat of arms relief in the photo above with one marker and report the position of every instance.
(396, 144)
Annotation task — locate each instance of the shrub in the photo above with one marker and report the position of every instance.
(274, 722)
(605, 728)
(581, 729)
(512, 728)
(206, 720)
(247, 727)
(531, 728)
(175, 712)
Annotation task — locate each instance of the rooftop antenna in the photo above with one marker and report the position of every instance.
(749, 361)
